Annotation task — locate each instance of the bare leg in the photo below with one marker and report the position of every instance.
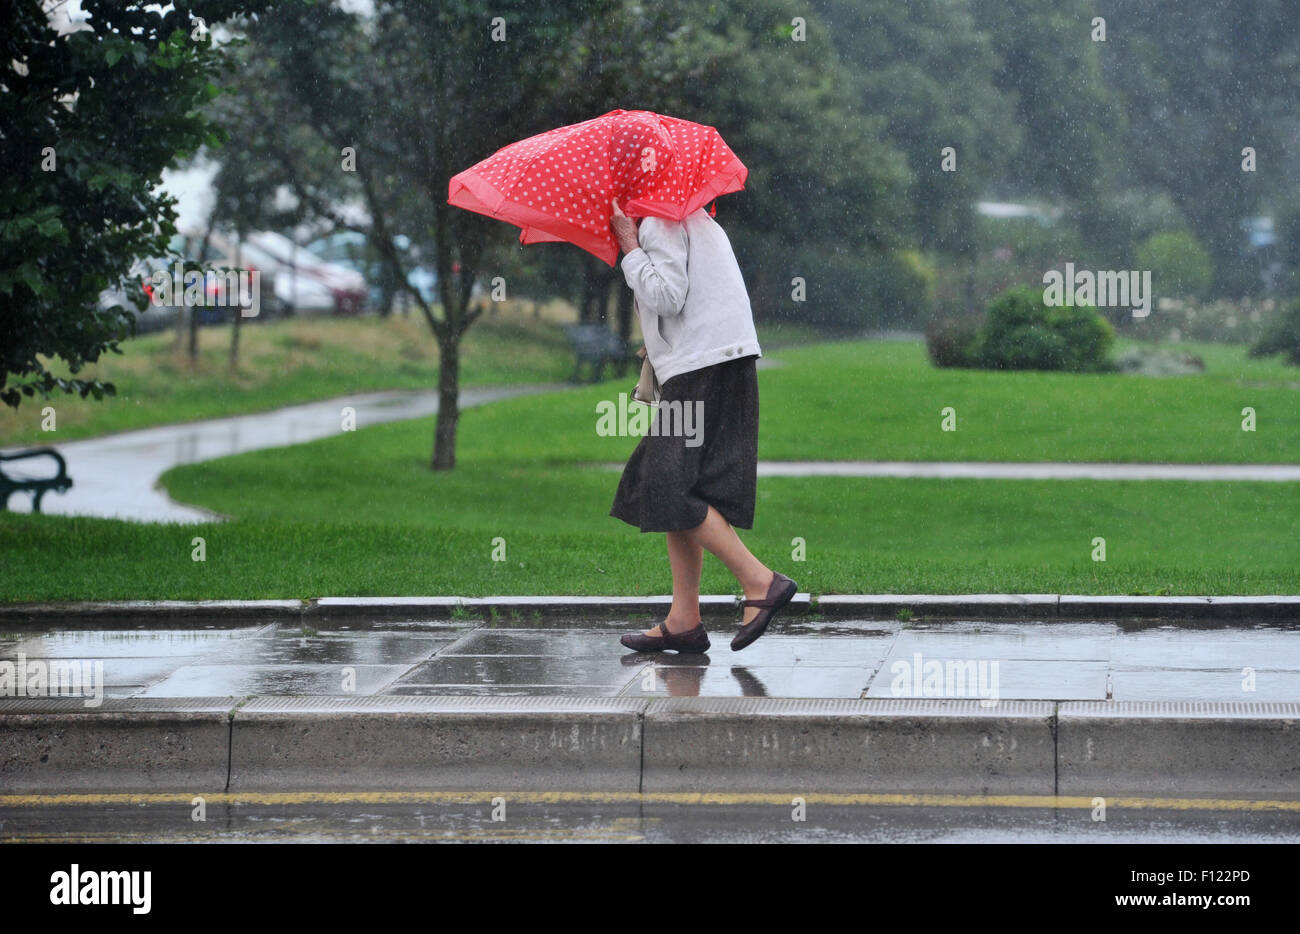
(716, 534)
(686, 558)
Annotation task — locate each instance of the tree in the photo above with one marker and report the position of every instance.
(385, 108)
(1068, 114)
(1201, 82)
(930, 72)
(825, 190)
(90, 118)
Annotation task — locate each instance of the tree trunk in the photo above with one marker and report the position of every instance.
(444, 432)
(624, 312)
(238, 312)
(970, 285)
(194, 333)
(188, 310)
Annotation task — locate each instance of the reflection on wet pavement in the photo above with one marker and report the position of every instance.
(845, 659)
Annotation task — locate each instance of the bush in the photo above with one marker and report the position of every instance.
(1282, 336)
(1021, 333)
(1180, 266)
(951, 341)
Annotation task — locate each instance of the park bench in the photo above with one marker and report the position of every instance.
(597, 345)
(37, 486)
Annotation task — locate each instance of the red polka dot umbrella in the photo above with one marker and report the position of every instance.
(558, 185)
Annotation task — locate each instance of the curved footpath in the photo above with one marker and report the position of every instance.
(116, 476)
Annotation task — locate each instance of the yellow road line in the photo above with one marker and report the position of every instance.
(632, 797)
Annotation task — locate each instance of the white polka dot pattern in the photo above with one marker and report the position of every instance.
(558, 185)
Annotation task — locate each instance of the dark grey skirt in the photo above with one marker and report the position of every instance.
(701, 451)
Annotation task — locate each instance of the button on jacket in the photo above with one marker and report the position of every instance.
(690, 296)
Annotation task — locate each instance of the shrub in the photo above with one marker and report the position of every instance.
(1282, 336)
(950, 341)
(1021, 333)
(1179, 265)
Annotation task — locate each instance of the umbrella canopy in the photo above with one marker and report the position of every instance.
(558, 185)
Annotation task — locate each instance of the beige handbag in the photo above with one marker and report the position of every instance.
(646, 391)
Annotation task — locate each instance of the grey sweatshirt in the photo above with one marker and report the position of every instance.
(690, 295)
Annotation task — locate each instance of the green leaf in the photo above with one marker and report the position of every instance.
(113, 56)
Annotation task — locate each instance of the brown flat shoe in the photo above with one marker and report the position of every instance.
(693, 641)
(780, 592)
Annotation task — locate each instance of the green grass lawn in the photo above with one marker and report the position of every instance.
(360, 513)
(883, 401)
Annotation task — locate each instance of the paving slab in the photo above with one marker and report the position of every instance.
(1242, 647)
(750, 681)
(196, 680)
(1045, 641)
(515, 670)
(505, 690)
(129, 643)
(779, 650)
(988, 679)
(291, 645)
(1225, 686)
(565, 643)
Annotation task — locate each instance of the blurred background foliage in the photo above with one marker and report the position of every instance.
(1127, 149)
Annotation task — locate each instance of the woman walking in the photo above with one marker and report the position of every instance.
(698, 487)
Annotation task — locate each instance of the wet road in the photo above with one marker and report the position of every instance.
(630, 818)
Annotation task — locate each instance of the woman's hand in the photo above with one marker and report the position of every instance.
(624, 229)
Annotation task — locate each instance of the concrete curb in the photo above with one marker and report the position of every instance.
(60, 745)
(783, 745)
(508, 606)
(921, 606)
(1285, 608)
(511, 743)
(848, 746)
(1203, 748)
(161, 612)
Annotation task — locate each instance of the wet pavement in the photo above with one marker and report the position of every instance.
(115, 476)
(808, 658)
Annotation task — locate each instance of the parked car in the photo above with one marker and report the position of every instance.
(303, 281)
(351, 249)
